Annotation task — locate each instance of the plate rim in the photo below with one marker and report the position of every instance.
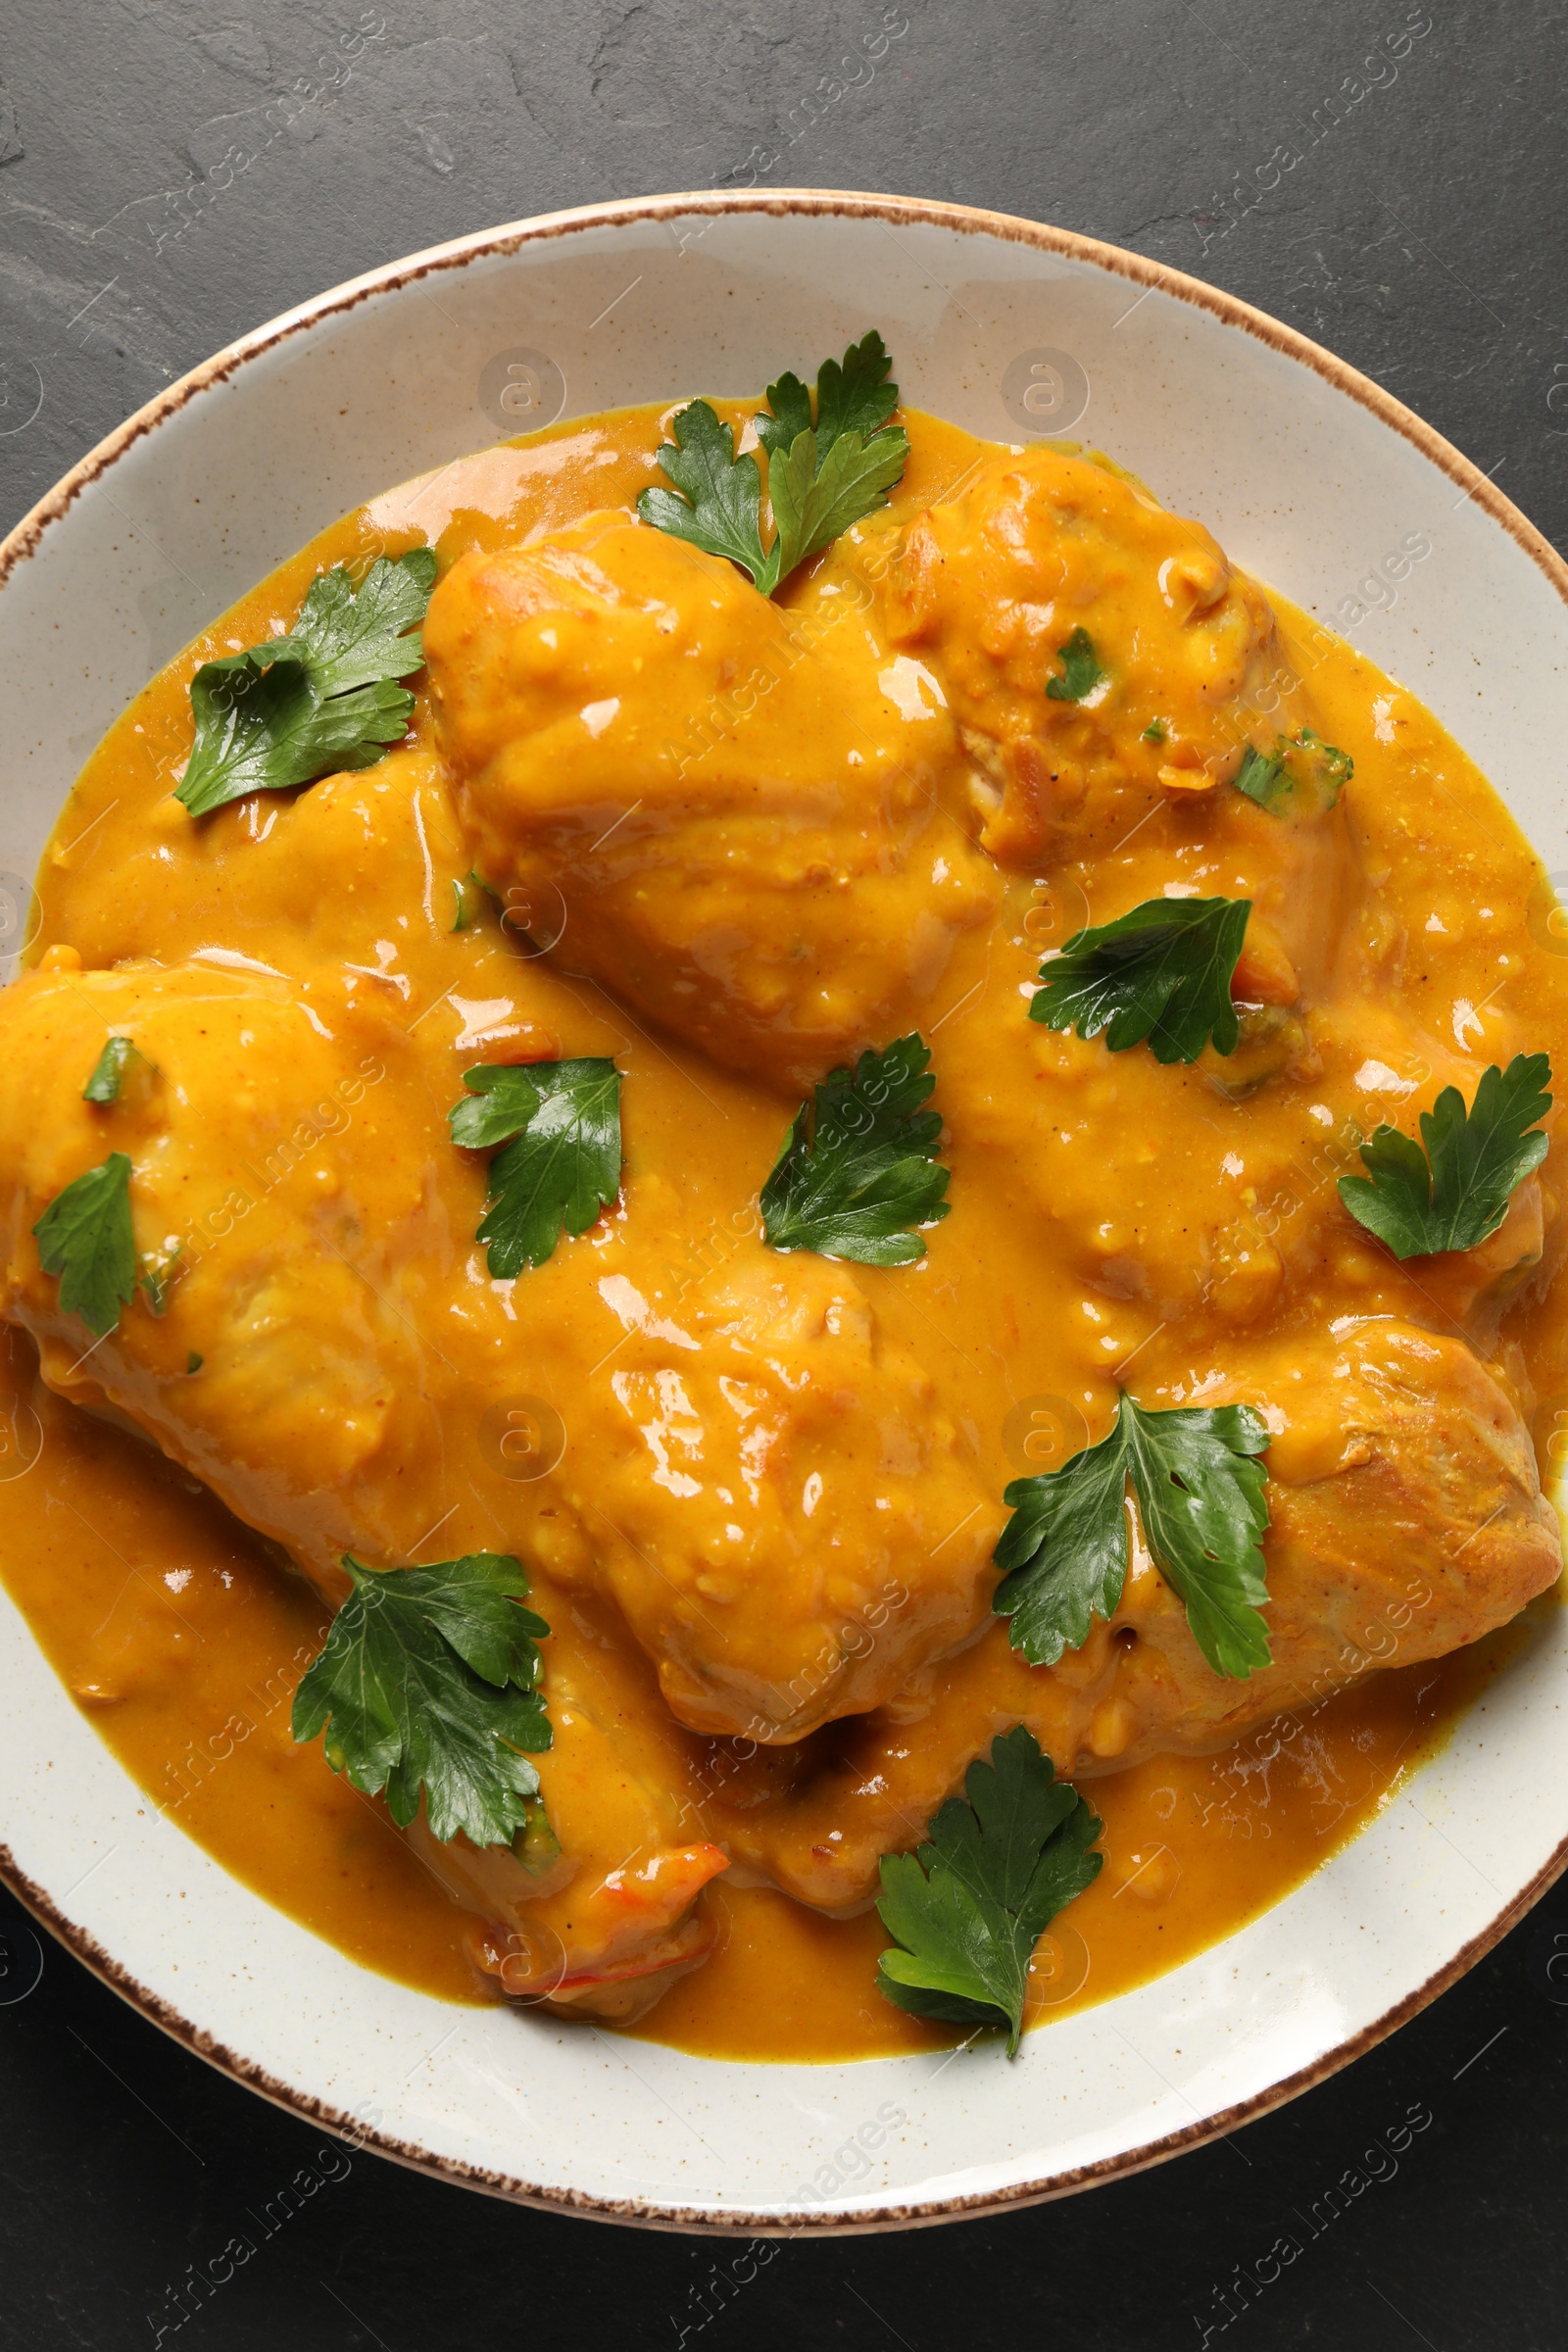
(626, 212)
(24, 540)
(696, 2222)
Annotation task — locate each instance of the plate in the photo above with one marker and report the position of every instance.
(1310, 477)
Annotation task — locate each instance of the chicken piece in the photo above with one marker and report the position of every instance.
(281, 1369)
(1406, 1520)
(990, 589)
(284, 1209)
(1212, 1215)
(787, 1515)
(992, 585)
(590, 1939)
(1223, 1212)
(743, 814)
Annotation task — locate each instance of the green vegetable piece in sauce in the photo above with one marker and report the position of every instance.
(318, 700)
(1302, 773)
(1080, 673)
(108, 1070)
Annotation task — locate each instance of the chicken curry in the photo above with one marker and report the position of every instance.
(732, 1188)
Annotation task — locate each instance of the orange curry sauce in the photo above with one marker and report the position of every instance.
(181, 1634)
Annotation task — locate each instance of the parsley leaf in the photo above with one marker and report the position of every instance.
(1200, 1500)
(1262, 779)
(85, 1237)
(428, 1678)
(857, 1167)
(316, 701)
(1081, 673)
(816, 497)
(967, 1910)
(260, 729)
(469, 898)
(108, 1070)
(351, 639)
(821, 478)
(1457, 1191)
(720, 507)
(853, 397)
(1162, 972)
(536, 1845)
(561, 1124)
(1300, 766)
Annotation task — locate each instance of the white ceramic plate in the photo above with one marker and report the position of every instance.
(1310, 477)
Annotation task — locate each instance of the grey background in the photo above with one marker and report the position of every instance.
(1422, 237)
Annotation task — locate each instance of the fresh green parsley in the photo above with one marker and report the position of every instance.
(1161, 973)
(468, 897)
(1456, 1192)
(1080, 673)
(561, 1124)
(821, 477)
(108, 1070)
(353, 639)
(1200, 1492)
(428, 1680)
(318, 700)
(1262, 779)
(1156, 731)
(85, 1237)
(260, 728)
(858, 1167)
(1318, 767)
(1301, 769)
(536, 1845)
(968, 1909)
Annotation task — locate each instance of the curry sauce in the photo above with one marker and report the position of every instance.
(728, 842)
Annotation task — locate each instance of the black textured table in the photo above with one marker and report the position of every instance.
(1420, 233)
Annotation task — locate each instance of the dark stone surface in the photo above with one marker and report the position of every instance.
(1420, 234)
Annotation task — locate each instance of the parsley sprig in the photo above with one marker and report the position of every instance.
(561, 1124)
(318, 700)
(428, 1681)
(1161, 973)
(1200, 1492)
(85, 1237)
(821, 476)
(858, 1167)
(1456, 1192)
(968, 1909)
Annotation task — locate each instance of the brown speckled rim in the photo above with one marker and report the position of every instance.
(782, 203)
